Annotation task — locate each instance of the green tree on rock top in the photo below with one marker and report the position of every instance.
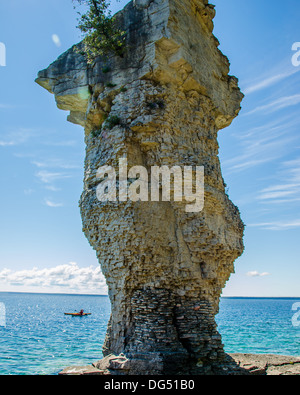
(102, 36)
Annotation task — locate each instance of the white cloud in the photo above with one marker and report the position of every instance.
(269, 81)
(48, 177)
(6, 143)
(263, 144)
(67, 143)
(257, 274)
(68, 278)
(55, 163)
(276, 105)
(49, 203)
(52, 188)
(17, 137)
(289, 188)
(277, 125)
(56, 40)
(259, 149)
(277, 225)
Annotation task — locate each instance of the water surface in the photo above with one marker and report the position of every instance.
(39, 339)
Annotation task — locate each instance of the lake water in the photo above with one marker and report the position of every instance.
(37, 338)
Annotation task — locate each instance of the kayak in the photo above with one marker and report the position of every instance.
(77, 314)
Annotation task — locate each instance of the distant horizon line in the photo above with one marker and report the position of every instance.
(79, 294)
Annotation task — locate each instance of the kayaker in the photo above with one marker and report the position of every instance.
(81, 312)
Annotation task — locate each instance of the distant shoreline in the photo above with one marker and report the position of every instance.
(261, 297)
(49, 293)
(106, 296)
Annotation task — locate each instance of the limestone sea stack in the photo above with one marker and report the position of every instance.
(162, 104)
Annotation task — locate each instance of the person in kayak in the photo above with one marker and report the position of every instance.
(81, 312)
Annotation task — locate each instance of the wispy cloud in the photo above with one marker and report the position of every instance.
(277, 125)
(66, 143)
(52, 188)
(270, 81)
(55, 163)
(258, 150)
(276, 105)
(7, 143)
(52, 204)
(279, 192)
(48, 177)
(50, 174)
(17, 137)
(257, 274)
(244, 164)
(264, 143)
(69, 278)
(277, 225)
(288, 190)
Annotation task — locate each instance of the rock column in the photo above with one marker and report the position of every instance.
(162, 104)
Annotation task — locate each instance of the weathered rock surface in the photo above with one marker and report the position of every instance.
(268, 364)
(241, 364)
(165, 268)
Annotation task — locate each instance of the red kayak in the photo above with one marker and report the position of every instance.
(78, 314)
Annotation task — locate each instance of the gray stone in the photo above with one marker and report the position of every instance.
(268, 364)
(81, 371)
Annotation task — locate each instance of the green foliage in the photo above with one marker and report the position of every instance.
(96, 133)
(109, 123)
(106, 69)
(112, 121)
(101, 35)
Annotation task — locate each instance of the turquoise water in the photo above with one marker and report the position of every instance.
(39, 339)
(262, 326)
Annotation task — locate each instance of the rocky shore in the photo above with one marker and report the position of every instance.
(268, 364)
(236, 364)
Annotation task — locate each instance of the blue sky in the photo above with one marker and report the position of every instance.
(41, 154)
